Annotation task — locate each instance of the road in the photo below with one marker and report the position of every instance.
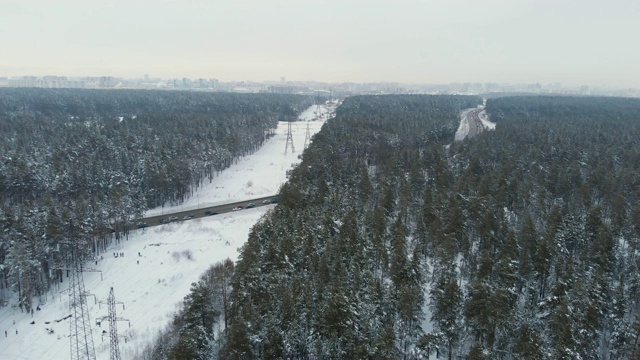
(475, 125)
(200, 213)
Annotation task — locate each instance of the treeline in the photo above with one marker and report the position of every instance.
(203, 316)
(389, 243)
(78, 166)
(562, 108)
(302, 264)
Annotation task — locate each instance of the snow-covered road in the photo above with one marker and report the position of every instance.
(472, 122)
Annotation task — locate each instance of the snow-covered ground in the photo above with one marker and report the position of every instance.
(258, 175)
(463, 129)
(159, 263)
(485, 120)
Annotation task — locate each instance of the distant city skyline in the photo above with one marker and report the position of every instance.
(407, 41)
(305, 87)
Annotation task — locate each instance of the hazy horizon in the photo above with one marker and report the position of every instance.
(519, 41)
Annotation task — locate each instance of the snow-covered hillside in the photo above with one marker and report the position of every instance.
(159, 263)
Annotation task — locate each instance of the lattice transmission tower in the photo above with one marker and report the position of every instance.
(307, 136)
(318, 107)
(114, 348)
(289, 139)
(80, 335)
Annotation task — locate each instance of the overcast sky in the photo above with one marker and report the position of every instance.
(431, 41)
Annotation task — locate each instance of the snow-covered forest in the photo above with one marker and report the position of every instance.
(77, 167)
(389, 242)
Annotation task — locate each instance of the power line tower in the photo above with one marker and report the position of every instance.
(289, 139)
(114, 349)
(81, 337)
(307, 136)
(318, 107)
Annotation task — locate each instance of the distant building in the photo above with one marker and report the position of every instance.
(274, 89)
(584, 90)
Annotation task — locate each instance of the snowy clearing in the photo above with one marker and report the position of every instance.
(463, 129)
(485, 120)
(159, 263)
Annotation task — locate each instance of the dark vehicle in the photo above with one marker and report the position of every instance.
(251, 205)
(188, 217)
(210, 212)
(165, 221)
(274, 200)
(142, 225)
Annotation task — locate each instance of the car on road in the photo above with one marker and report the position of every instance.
(237, 208)
(266, 201)
(210, 212)
(250, 205)
(165, 221)
(172, 218)
(188, 217)
(142, 225)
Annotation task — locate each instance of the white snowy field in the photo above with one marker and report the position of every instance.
(463, 129)
(159, 263)
(258, 175)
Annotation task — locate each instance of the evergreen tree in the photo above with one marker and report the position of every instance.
(237, 346)
(528, 345)
(446, 299)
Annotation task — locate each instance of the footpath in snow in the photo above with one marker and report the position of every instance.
(155, 267)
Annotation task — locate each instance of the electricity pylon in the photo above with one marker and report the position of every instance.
(81, 337)
(289, 139)
(114, 348)
(307, 136)
(318, 107)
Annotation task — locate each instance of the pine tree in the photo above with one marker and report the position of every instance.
(560, 326)
(237, 346)
(446, 299)
(476, 353)
(273, 346)
(528, 247)
(528, 344)
(193, 344)
(199, 308)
